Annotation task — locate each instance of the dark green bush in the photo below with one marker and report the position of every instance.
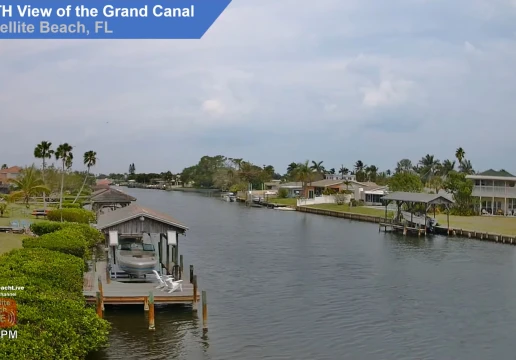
(53, 320)
(80, 216)
(93, 236)
(69, 240)
(71, 206)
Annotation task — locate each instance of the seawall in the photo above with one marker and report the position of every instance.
(471, 234)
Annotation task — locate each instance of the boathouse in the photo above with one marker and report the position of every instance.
(109, 199)
(135, 221)
(409, 221)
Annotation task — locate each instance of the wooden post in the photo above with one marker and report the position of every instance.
(181, 266)
(99, 305)
(204, 312)
(101, 291)
(146, 304)
(108, 275)
(151, 311)
(191, 274)
(194, 303)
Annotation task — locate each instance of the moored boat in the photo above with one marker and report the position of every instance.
(136, 258)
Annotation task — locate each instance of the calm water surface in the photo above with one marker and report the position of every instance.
(288, 285)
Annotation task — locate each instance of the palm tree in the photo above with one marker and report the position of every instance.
(4, 166)
(371, 172)
(359, 166)
(317, 167)
(343, 170)
(291, 168)
(63, 153)
(404, 165)
(90, 159)
(460, 154)
(43, 151)
(388, 172)
(447, 166)
(304, 173)
(332, 171)
(466, 167)
(28, 185)
(429, 167)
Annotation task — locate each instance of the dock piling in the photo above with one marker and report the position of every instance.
(194, 303)
(204, 312)
(99, 305)
(101, 291)
(181, 267)
(108, 275)
(191, 274)
(151, 311)
(146, 304)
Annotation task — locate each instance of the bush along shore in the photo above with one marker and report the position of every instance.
(53, 320)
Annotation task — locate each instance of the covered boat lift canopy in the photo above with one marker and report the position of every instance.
(410, 198)
(135, 221)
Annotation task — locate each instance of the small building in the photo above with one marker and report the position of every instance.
(272, 185)
(340, 177)
(135, 221)
(109, 199)
(495, 191)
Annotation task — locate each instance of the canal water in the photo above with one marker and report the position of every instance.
(289, 285)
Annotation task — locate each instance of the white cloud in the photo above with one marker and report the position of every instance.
(291, 68)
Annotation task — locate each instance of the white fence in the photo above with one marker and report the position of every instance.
(324, 199)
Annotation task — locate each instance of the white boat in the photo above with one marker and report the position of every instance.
(285, 209)
(229, 197)
(136, 258)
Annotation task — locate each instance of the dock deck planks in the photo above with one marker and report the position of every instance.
(118, 292)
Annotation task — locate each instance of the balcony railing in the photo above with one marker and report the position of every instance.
(494, 191)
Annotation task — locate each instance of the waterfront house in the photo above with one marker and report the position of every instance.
(294, 188)
(340, 177)
(495, 191)
(273, 185)
(10, 173)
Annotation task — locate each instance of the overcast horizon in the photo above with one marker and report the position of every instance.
(276, 82)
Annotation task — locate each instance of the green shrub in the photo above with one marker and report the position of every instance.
(282, 193)
(72, 206)
(81, 216)
(69, 240)
(93, 236)
(53, 321)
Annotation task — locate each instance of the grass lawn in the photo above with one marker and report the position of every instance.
(10, 241)
(19, 212)
(286, 201)
(491, 224)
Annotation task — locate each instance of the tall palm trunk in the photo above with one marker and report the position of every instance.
(43, 178)
(82, 187)
(62, 186)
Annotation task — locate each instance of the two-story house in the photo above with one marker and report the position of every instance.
(6, 174)
(496, 192)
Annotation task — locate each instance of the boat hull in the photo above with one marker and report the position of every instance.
(137, 266)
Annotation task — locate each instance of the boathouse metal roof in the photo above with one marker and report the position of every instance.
(111, 196)
(134, 211)
(418, 198)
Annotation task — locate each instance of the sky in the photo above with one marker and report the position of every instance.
(275, 82)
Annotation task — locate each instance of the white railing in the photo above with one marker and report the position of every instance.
(324, 199)
(494, 191)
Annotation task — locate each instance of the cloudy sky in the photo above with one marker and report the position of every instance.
(276, 81)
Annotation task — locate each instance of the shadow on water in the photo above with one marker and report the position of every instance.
(178, 334)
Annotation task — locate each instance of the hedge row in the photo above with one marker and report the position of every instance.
(80, 216)
(53, 320)
(93, 236)
(68, 240)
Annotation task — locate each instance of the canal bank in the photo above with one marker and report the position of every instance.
(372, 295)
(471, 234)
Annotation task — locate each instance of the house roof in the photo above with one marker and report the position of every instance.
(325, 183)
(417, 197)
(133, 211)
(11, 170)
(111, 196)
(500, 173)
(100, 191)
(103, 182)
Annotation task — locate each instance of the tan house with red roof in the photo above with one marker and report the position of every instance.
(10, 173)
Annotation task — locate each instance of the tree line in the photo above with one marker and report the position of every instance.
(49, 180)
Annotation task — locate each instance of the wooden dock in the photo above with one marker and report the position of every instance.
(122, 291)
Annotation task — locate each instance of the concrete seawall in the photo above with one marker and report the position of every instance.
(472, 234)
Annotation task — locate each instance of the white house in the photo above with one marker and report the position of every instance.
(495, 191)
